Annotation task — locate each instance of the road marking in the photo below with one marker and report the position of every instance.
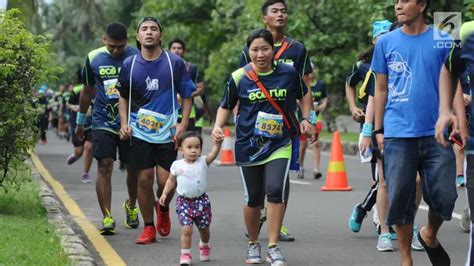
(455, 215)
(105, 250)
(300, 182)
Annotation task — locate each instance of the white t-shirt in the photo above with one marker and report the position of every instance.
(191, 178)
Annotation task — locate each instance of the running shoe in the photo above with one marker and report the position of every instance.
(465, 223)
(185, 259)
(147, 236)
(384, 243)
(392, 231)
(460, 181)
(300, 174)
(163, 224)
(317, 174)
(85, 178)
(285, 236)
(204, 253)
(72, 158)
(131, 215)
(274, 257)
(108, 226)
(415, 242)
(357, 216)
(254, 254)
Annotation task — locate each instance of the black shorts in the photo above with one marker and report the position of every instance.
(105, 144)
(147, 155)
(87, 137)
(270, 179)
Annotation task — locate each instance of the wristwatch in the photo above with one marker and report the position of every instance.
(378, 131)
(307, 120)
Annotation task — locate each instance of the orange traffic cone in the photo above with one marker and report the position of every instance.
(227, 152)
(337, 177)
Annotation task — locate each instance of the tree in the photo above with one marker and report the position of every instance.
(25, 60)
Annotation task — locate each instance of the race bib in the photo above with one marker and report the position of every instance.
(110, 90)
(150, 121)
(269, 125)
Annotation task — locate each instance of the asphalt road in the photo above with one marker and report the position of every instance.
(317, 219)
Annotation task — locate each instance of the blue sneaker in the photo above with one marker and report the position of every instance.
(415, 242)
(357, 216)
(460, 181)
(393, 233)
(384, 243)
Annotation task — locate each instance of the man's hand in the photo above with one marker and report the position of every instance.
(467, 99)
(357, 114)
(162, 199)
(125, 132)
(365, 144)
(181, 128)
(309, 130)
(79, 132)
(444, 121)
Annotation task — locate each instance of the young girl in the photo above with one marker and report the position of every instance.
(192, 203)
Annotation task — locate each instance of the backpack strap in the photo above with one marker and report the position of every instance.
(283, 48)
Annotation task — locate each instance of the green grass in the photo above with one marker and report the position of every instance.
(26, 236)
(345, 136)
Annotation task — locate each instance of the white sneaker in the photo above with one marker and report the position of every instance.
(300, 174)
(415, 242)
(465, 223)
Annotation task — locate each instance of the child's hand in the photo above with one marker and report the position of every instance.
(162, 199)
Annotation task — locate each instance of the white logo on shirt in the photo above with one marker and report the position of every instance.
(400, 77)
(152, 84)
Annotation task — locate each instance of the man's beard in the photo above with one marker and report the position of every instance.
(150, 46)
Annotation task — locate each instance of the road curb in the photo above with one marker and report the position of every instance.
(348, 148)
(72, 243)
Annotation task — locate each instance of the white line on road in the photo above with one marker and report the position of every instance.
(300, 182)
(455, 215)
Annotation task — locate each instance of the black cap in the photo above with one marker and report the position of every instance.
(145, 19)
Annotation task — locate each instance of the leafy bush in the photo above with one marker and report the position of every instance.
(24, 61)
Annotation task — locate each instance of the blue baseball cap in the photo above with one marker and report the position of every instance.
(380, 27)
(42, 89)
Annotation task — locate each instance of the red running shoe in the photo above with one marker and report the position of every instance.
(147, 236)
(163, 224)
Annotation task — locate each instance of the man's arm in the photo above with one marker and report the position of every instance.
(199, 89)
(460, 111)
(381, 88)
(125, 130)
(357, 113)
(85, 98)
(323, 105)
(185, 111)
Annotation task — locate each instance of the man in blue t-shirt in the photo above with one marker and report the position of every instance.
(149, 84)
(99, 77)
(407, 62)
